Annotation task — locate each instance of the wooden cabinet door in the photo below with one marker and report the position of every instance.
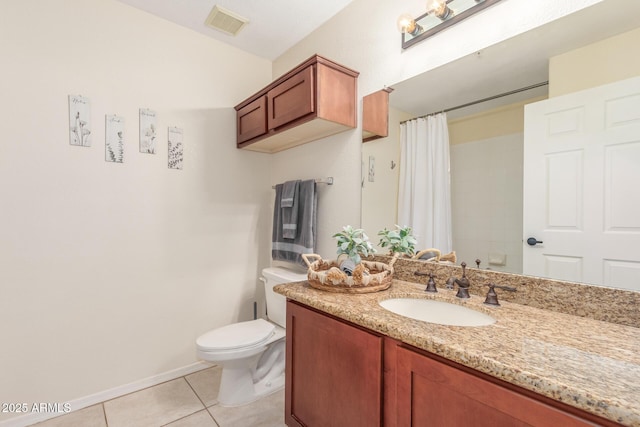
(251, 120)
(432, 393)
(333, 372)
(291, 99)
(375, 115)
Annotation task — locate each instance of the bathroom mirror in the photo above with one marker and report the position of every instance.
(512, 64)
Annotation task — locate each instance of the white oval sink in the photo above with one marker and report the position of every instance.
(440, 312)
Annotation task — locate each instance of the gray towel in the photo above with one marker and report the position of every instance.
(289, 205)
(305, 241)
(289, 193)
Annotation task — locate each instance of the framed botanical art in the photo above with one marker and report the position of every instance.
(148, 131)
(79, 121)
(114, 139)
(175, 148)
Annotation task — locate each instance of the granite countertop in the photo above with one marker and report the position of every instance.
(590, 364)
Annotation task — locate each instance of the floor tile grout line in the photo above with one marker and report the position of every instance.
(104, 414)
(187, 416)
(142, 389)
(184, 377)
(212, 417)
(204, 405)
(210, 414)
(206, 408)
(197, 397)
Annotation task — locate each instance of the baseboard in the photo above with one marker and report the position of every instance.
(93, 399)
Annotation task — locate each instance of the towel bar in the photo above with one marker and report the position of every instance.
(328, 181)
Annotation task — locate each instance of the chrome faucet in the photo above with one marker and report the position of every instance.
(463, 283)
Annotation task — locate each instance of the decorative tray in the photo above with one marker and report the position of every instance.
(368, 276)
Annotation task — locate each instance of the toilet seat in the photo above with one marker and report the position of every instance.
(236, 336)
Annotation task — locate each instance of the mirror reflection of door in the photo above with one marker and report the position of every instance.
(581, 196)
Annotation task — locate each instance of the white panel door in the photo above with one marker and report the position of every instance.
(582, 186)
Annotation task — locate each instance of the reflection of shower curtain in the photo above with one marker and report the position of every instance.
(424, 196)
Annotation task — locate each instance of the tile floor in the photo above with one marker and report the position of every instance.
(190, 401)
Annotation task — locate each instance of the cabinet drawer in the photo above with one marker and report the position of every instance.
(292, 99)
(251, 120)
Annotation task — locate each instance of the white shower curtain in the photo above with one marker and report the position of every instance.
(424, 196)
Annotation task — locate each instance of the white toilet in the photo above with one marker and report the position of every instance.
(252, 354)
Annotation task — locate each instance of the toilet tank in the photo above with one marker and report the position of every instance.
(276, 303)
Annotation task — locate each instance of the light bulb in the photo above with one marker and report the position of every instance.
(435, 5)
(406, 24)
(439, 9)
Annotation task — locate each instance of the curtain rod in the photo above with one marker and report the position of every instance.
(328, 181)
(479, 101)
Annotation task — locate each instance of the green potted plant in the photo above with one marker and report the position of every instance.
(399, 241)
(354, 243)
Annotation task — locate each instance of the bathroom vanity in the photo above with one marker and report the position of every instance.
(352, 362)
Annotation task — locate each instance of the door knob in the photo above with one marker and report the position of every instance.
(532, 241)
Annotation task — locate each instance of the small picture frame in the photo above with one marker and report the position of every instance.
(114, 139)
(175, 137)
(148, 130)
(79, 121)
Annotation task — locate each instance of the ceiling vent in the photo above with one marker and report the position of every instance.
(226, 21)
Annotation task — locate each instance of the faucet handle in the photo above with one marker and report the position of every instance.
(492, 296)
(431, 284)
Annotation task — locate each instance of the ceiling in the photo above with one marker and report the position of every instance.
(515, 63)
(270, 31)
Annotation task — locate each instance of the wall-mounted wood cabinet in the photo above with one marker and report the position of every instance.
(314, 100)
(375, 115)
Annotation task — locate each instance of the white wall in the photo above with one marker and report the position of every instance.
(108, 272)
(364, 37)
(380, 197)
(605, 61)
(486, 187)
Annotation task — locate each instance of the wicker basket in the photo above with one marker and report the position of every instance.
(327, 276)
(434, 255)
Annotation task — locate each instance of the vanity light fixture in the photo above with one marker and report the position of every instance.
(440, 15)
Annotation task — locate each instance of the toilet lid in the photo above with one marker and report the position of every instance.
(236, 335)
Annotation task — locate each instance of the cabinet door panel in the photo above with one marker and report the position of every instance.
(431, 393)
(292, 99)
(375, 115)
(251, 120)
(333, 372)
